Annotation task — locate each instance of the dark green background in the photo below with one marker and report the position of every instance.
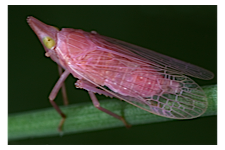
(188, 33)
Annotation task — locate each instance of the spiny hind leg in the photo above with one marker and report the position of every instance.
(97, 105)
(91, 90)
(83, 84)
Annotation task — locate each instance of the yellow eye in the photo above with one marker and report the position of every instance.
(48, 42)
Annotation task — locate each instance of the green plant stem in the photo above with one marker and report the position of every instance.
(85, 117)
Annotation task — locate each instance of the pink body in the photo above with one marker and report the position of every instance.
(144, 78)
(77, 50)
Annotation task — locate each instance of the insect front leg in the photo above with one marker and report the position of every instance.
(91, 90)
(53, 94)
(65, 99)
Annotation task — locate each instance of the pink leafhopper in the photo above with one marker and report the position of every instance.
(144, 78)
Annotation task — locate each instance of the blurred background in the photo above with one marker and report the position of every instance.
(188, 33)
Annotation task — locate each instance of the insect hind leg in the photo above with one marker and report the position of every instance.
(91, 88)
(83, 84)
(97, 105)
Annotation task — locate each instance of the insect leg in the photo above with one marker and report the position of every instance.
(83, 84)
(65, 99)
(97, 105)
(53, 94)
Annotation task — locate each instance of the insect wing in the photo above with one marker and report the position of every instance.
(168, 63)
(190, 102)
(187, 100)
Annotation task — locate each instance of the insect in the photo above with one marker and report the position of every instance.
(144, 78)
